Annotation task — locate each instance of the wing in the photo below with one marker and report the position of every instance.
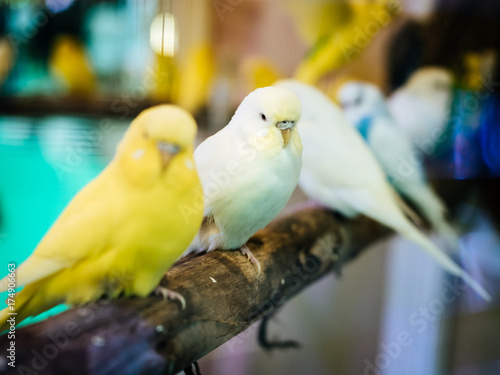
(81, 231)
(211, 153)
(395, 153)
(337, 155)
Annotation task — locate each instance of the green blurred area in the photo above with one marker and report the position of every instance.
(41, 169)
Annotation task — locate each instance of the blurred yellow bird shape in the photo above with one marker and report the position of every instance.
(70, 64)
(123, 230)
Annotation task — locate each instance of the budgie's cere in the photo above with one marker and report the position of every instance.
(364, 106)
(341, 172)
(122, 231)
(249, 169)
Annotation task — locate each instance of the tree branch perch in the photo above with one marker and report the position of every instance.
(224, 297)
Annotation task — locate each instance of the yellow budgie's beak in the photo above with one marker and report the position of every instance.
(286, 130)
(167, 152)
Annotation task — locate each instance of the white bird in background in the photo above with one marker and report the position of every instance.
(422, 106)
(249, 170)
(341, 172)
(365, 108)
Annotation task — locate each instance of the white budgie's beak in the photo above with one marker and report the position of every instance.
(167, 152)
(286, 129)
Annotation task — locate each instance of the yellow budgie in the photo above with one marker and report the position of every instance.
(196, 78)
(70, 64)
(123, 230)
(260, 72)
(340, 30)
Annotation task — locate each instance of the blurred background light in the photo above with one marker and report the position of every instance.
(57, 6)
(163, 35)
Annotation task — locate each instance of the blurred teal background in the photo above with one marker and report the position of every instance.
(44, 163)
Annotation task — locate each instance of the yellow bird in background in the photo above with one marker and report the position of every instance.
(7, 58)
(338, 31)
(70, 64)
(260, 72)
(196, 78)
(188, 84)
(123, 230)
(166, 79)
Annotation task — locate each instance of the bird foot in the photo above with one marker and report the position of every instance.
(171, 295)
(276, 344)
(244, 250)
(192, 369)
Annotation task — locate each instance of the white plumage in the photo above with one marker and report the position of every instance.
(341, 172)
(365, 108)
(421, 107)
(250, 168)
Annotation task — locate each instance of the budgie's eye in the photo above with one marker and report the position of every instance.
(263, 116)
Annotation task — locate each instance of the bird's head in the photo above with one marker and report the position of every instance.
(360, 99)
(273, 109)
(430, 80)
(166, 129)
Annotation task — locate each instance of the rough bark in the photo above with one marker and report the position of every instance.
(224, 296)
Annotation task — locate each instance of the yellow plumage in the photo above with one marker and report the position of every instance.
(340, 30)
(123, 230)
(260, 72)
(196, 78)
(70, 64)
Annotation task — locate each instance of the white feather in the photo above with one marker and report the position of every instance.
(340, 171)
(247, 174)
(421, 108)
(364, 103)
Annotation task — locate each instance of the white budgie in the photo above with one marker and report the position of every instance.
(341, 172)
(421, 107)
(365, 108)
(249, 169)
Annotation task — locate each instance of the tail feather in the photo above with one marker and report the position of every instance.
(24, 307)
(444, 260)
(433, 209)
(4, 316)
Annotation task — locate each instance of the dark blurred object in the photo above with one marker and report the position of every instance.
(405, 53)
(3, 19)
(466, 127)
(458, 27)
(490, 134)
(68, 21)
(478, 193)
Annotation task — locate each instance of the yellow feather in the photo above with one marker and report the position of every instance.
(123, 230)
(195, 79)
(69, 63)
(342, 41)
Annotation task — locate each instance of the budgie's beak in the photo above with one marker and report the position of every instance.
(286, 130)
(167, 152)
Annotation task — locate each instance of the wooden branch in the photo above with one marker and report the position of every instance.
(224, 296)
(122, 107)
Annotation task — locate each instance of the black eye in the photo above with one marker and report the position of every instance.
(263, 116)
